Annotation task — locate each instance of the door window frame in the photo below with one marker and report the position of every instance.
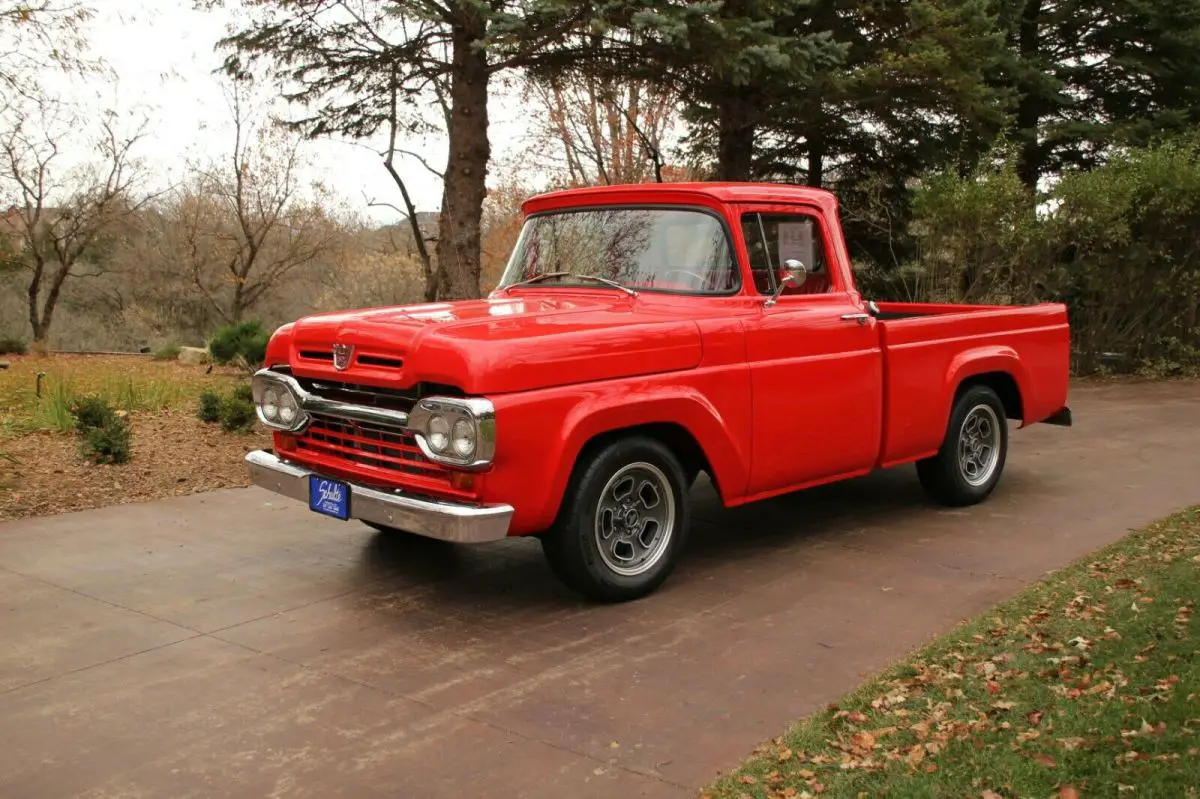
(834, 267)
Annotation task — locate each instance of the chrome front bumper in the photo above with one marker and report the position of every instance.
(446, 521)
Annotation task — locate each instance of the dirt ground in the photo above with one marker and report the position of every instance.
(174, 453)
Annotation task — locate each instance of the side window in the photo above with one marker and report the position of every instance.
(774, 239)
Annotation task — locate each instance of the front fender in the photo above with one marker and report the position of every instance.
(687, 408)
(540, 476)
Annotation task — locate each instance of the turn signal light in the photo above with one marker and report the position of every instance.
(462, 481)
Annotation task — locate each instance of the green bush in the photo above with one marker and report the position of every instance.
(210, 407)
(91, 413)
(1118, 244)
(244, 391)
(169, 351)
(109, 443)
(246, 341)
(237, 414)
(11, 345)
(1123, 252)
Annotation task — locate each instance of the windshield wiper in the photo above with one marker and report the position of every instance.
(608, 282)
(551, 275)
(536, 279)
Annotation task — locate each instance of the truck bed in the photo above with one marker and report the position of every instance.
(928, 349)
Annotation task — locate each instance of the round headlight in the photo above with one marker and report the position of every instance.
(463, 439)
(270, 404)
(287, 408)
(439, 433)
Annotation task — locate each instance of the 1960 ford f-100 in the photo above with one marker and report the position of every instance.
(641, 335)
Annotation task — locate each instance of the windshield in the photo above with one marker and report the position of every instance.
(660, 249)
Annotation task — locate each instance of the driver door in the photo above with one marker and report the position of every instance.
(815, 360)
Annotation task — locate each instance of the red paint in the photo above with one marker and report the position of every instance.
(779, 398)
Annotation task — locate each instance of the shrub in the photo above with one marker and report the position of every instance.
(169, 351)
(111, 442)
(244, 340)
(244, 391)
(210, 407)
(237, 414)
(11, 345)
(91, 413)
(1124, 255)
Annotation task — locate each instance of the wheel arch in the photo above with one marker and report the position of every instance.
(1005, 386)
(997, 367)
(692, 429)
(673, 435)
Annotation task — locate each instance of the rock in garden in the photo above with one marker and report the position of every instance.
(194, 356)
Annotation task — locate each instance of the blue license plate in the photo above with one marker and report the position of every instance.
(329, 497)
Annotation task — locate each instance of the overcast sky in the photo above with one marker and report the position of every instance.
(162, 52)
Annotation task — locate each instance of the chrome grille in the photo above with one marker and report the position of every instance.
(369, 445)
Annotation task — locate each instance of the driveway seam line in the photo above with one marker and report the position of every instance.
(91, 666)
(101, 600)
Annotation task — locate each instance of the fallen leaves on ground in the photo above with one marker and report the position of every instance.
(1079, 675)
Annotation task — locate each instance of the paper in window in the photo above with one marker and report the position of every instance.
(796, 243)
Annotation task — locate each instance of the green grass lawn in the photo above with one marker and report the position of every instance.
(1086, 684)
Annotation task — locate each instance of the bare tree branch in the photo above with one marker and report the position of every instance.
(63, 217)
(245, 227)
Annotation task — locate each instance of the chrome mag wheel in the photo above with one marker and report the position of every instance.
(635, 519)
(979, 445)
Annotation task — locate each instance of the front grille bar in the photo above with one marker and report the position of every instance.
(315, 404)
(373, 446)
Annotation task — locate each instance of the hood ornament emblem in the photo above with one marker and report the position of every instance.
(341, 356)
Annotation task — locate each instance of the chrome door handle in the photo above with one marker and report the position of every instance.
(861, 318)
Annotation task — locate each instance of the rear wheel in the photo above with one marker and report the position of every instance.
(969, 464)
(622, 523)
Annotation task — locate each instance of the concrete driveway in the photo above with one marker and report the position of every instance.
(231, 645)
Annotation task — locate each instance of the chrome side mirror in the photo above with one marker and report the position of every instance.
(794, 276)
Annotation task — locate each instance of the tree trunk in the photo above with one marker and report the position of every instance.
(35, 316)
(237, 307)
(816, 154)
(41, 310)
(1029, 108)
(735, 143)
(465, 186)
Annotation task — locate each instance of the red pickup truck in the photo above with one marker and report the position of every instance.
(641, 335)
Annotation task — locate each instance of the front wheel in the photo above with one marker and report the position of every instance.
(968, 465)
(622, 523)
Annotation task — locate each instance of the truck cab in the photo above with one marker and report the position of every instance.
(641, 335)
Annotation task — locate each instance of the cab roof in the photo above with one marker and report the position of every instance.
(670, 193)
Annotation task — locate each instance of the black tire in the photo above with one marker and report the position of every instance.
(946, 476)
(573, 544)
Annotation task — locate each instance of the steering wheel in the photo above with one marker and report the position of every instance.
(700, 279)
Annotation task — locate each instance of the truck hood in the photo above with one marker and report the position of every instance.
(495, 345)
